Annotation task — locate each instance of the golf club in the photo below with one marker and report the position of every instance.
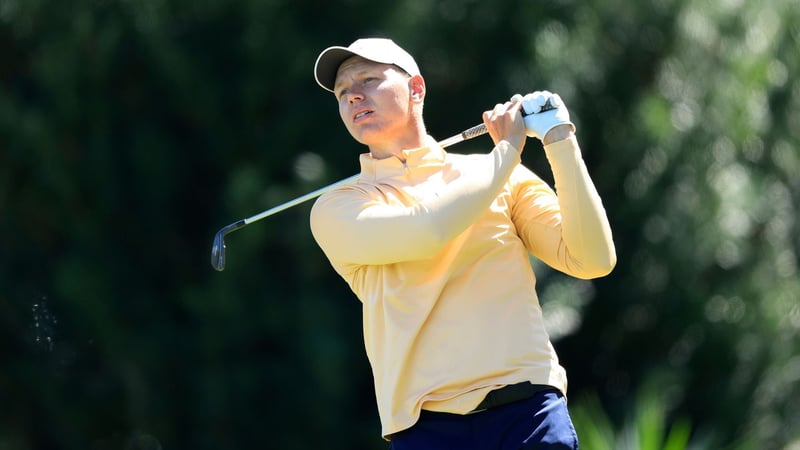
(218, 247)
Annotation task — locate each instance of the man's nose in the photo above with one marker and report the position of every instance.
(354, 96)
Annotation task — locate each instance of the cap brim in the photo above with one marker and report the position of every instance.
(328, 64)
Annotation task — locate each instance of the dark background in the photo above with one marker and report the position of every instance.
(131, 131)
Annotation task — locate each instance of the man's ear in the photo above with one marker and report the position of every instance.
(416, 85)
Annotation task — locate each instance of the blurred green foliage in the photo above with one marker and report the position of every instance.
(131, 131)
(646, 427)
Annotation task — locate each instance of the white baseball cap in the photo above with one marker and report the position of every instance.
(379, 50)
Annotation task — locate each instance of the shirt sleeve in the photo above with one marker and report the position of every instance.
(568, 231)
(354, 226)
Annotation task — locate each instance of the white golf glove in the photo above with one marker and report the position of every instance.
(543, 111)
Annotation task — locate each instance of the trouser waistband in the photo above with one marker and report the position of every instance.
(510, 394)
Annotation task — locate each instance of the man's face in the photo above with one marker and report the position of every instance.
(374, 101)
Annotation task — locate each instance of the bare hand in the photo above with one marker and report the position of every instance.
(505, 123)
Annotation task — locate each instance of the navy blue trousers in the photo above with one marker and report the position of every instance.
(541, 422)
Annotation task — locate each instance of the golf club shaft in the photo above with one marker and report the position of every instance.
(470, 133)
(218, 248)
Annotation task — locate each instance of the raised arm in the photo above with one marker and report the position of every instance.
(353, 225)
(570, 232)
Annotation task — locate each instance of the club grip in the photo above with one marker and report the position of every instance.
(475, 131)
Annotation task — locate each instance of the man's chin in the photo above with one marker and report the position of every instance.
(367, 139)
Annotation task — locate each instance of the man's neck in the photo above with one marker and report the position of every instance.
(414, 139)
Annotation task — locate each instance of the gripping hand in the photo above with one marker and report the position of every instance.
(543, 111)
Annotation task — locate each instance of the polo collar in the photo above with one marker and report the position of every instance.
(419, 162)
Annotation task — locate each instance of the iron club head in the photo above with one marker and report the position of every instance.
(218, 252)
(218, 247)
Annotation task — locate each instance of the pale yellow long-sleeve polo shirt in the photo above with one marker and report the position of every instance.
(436, 249)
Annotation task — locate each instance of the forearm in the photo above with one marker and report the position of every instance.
(585, 230)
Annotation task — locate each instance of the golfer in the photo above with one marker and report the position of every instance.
(436, 247)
